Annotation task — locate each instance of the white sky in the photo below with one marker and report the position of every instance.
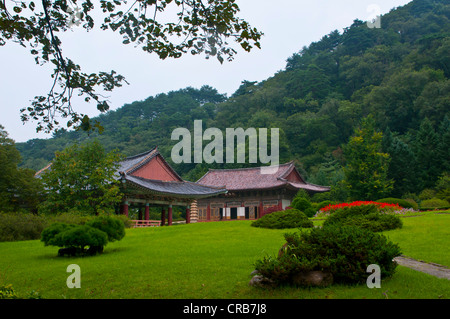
(288, 25)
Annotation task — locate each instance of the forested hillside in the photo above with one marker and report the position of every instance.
(397, 74)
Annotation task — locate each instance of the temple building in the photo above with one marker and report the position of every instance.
(147, 180)
(251, 192)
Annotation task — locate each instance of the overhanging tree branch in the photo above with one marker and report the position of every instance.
(200, 28)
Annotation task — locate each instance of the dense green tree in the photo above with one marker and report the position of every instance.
(19, 190)
(402, 166)
(426, 150)
(444, 144)
(366, 165)
(82, 178)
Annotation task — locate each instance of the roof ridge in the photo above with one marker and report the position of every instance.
(197, 183)
(307, 183)
(146, 157)
(155, 180)
(140, 155)
(247, 168)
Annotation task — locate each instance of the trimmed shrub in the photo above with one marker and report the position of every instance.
(310, 212)
(434, 203)
(112, 226)
(127, 221)
(345, 252)
(364, 216)
(50, 235)
(290, 218)
(74, 239)
(81, 237)
(301, 203)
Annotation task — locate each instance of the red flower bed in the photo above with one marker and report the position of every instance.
(359, 203)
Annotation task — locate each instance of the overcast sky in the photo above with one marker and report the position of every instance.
(288, 25)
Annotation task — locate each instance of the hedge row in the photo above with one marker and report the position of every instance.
(20, 226)
(290, 218)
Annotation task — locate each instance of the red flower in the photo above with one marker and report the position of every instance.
(359, 203)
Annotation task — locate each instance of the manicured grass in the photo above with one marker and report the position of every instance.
(204, 260)
(425, 238)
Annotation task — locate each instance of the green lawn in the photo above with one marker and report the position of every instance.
(209, 260)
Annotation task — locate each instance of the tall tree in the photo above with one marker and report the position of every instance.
(366, 165)
(402, 166)
(19, 190)
(426, 149)
(82, 178)
(197, 28)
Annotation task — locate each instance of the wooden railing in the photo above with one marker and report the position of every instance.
(145, 223)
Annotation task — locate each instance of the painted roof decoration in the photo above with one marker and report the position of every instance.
(256, 178)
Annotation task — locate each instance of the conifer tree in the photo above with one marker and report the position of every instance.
(366, 165)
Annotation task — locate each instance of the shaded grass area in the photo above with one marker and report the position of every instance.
(204, 260)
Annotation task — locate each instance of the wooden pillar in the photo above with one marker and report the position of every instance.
(163, 216)
(125, 208)
(169, 220)
(280, 205)
(188, 214)
(208, 212)
(147, 211)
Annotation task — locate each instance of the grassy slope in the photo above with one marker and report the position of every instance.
(205, 260)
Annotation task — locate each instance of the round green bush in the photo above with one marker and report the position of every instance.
(343, 251)
(112, 226)
(50, 235)
(301, 203)
(81, 237)
(309, 212)
(364, 216)
(290, 218)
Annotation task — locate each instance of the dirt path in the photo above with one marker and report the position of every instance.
(429, 268)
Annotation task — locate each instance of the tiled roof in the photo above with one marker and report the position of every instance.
(258, 178)
(133, 163)
(178, 189)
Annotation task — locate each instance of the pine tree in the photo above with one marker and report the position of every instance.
(366, 165)
(401, 168)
